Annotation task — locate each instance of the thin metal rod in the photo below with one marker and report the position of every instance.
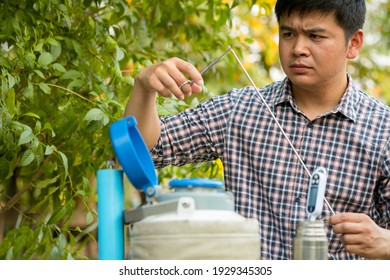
(204, 71)
(276, 121)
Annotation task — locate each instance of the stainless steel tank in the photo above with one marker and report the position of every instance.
(195, 222)
(311, 242)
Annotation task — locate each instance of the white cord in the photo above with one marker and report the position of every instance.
(277, 122)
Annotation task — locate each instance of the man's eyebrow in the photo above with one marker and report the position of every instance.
(286, 28)
(314, 29)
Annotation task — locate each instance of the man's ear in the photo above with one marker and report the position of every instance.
(355, 44)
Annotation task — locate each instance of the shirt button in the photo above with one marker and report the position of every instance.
(310, 125)
(297, 199)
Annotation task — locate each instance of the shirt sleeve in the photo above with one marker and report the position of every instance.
(382, 193)
(196, 134)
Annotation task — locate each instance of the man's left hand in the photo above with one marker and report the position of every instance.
(361, 235)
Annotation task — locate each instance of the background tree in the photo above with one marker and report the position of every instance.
(67, 69)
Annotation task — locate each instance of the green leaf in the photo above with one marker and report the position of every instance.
(28, 91)
(4, 167)
(16, 26)
(75, 84)
(30, 59)
(38, 127)
(194, 102)
(157, 16)
(63, 8)
(71, 75)
(50, 149)
(48, 126)
(56, 51)
(96, 114)
(44, 183)
(52, 41)
(11, 80)
(45, 59)
(58, 215)
(5, 62)
(59, 67)
(27, 157)
(39, 73)
(119, 54)
(89, 218)
(10, 253)
(44, 87)
(61, 241)
(26, 137)
(64, 162)
(31, 114)
(10, 102)
(22, 239)
(44, 201)
(55, 253)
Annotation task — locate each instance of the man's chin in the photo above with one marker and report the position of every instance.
(303, 81)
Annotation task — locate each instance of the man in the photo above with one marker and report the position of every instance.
(329, 120)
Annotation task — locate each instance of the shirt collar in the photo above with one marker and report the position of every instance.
(349, 101)
(284, 94)
(346, 105)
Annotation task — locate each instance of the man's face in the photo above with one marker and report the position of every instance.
(313, 50)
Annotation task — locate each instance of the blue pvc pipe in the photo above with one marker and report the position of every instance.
(110, 214)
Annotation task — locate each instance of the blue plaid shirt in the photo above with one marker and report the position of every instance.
(352, 142)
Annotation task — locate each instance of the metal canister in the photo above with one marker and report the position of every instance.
(310, 241)
(195, 221)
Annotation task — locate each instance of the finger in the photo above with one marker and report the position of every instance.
(159, 87)
(173, 74)
(353, 239)
(186, 88)
(176, 82)
(167, 82)
(193, 82)
(171, 85)
(188, 82)
(190, 70)
(197, 86)
(347, 228)
(346, 217)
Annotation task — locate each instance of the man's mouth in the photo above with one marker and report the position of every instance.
(299, 68)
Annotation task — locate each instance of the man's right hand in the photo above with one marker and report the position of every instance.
(167, 77)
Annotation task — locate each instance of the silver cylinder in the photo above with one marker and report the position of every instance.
(310, 241)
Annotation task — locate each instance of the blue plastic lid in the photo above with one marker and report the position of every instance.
(196, 182)
(133, 155)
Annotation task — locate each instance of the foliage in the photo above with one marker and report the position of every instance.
(67, 69)
(373, 65)
(60, 85)
(66, 72)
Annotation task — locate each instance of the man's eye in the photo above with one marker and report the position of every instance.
(287, 34)
(315, 36)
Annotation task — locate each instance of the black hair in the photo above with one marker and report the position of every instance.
(349, 14)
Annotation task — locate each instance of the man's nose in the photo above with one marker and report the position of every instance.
(300, 47)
